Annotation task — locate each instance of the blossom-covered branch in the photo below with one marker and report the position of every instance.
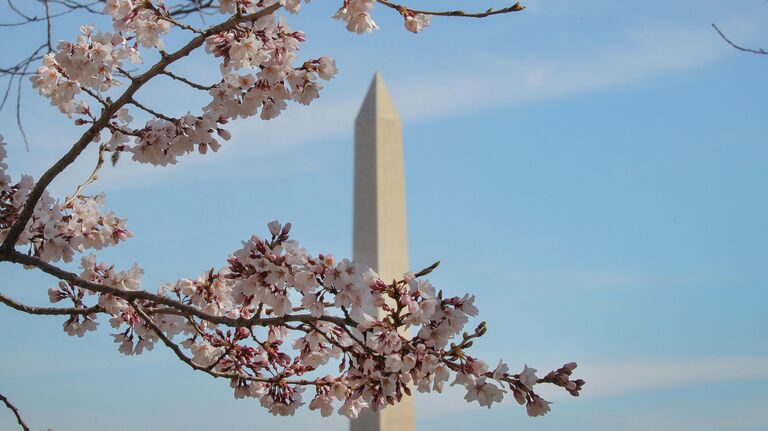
(517, 7)
(48, 311)
(20, 68)
(274, 320)
(234, 323)
(91, 60)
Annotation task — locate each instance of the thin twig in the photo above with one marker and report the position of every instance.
(740, 48)
(95, 96)
(517, 7)
(14, 70)
(7, 91)
(200, 11)
(181, 24)
(18, 12)
(125, 73)
(94, 175)
(34, 19)
(188, 82)
(151, 111)
(48, 23)
(18, 111)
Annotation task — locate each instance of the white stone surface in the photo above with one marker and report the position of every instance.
(380, 227)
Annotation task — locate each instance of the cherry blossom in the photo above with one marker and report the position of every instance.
(88, 63)
(144, 19)
(484, 392)
(416, 22)
(5, 179)
(528, 377)
(292, 6)
(55, 230)
(537, 406)
(356, 13)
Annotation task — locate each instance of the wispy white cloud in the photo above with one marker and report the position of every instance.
(642, 54)
(598, 279)
(619, 378)
(21, 364)
(730, 414)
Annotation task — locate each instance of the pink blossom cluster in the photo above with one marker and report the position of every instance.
(258, 73)
(76, 325)
(267, 46)
(161, 141)
(144, 19)
(246, 6)
(357, 15)
(57, 230)
(416, 22)
(123, 280)
(5, 179)
(276, 315)
(292, 6)
(88, 63)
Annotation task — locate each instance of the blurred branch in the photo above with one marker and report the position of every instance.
(15, 411)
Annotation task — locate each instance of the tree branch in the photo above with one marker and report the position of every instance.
(517, 7)
(108, 112)
(49, 311)
(150, 111)
(209, 370)
(183, 308)
(15, 411)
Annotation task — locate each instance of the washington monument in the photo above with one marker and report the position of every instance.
(380, 228)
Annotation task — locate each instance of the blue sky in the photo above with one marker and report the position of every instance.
(595, 174)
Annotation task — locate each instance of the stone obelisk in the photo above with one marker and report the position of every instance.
(380, 229)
